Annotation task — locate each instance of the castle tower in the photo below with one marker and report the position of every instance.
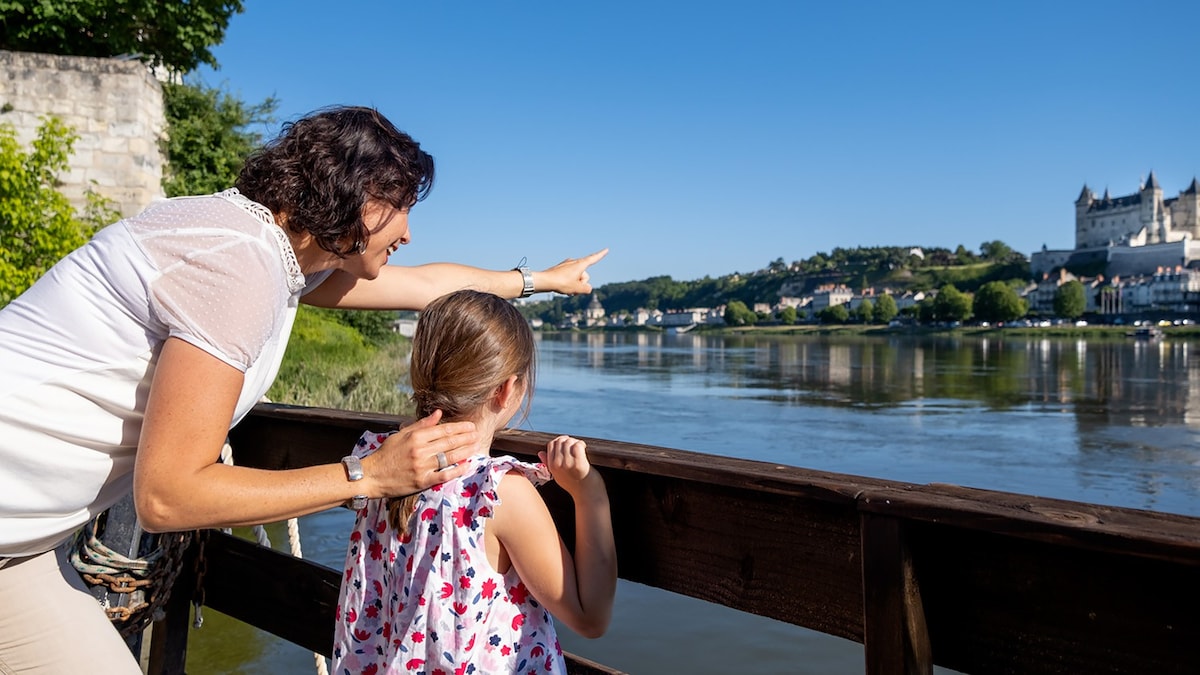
(1185, 216)
(1082, 205)
(1151, 212)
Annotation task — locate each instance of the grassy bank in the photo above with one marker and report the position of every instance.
(330, 364)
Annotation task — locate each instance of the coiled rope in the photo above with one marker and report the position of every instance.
(147, 580)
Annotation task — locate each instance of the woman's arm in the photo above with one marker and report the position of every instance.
(414, 287)
(578, 590)
(179, 484)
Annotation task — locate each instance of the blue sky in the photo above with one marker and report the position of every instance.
(702, 138)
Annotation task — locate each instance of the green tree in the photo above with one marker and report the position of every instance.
(998, 301)
(885, 308)
(951, 304)
(1069, 300)
(175, 34)
(209, 135)
(38, 225)
(834, 314)
(738, 314)
(865, 312)
(787, 315)
(995, 251)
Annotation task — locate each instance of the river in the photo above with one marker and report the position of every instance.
(1106, 421)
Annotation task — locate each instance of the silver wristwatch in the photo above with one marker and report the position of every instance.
(526, 280)
(354, 471)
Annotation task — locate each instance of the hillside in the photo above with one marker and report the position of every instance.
(898, 268)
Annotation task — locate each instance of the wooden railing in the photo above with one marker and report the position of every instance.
(977, 581)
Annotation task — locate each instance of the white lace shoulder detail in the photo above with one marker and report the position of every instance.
(286, 253)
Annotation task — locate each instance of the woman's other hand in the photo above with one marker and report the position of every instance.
(408, 461)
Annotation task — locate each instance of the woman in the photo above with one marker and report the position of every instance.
(129, 361)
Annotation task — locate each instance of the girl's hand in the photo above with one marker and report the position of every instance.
(566, 458)
(570, 276)
(407, 462)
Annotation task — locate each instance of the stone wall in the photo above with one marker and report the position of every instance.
(114, 105)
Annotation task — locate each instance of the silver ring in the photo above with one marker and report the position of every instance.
(441, 459)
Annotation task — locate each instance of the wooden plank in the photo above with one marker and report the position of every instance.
(996, 604)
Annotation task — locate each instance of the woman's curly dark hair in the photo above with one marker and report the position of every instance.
(323, 168)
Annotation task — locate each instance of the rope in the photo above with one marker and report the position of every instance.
(147, 580)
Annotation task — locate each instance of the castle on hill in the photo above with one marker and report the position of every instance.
(1131, 235)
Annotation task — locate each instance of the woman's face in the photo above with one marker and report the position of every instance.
(388, 230)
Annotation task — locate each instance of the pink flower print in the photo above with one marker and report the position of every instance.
(351, 615)
(428, 514)
(460, 608)
(537, 651)
(549, 662)
(391, 556)
(518, 594)
(418, 637)
(470, 489)
(506, 650)
(408, 566)
(371, 669)
(463, 516)
(372, 612)
(356, 536)
(489, 588)
(381, 526)
(337, 613)
(376, 549)
(471, 644)
(447, 590)
(438, 671)
(464, 582)
(361, 634)
(518, 621)
(461, 670)
(414, 664)
(349, 571)
(387, 630)
(485, 512)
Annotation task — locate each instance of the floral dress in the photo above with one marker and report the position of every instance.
(429, 601)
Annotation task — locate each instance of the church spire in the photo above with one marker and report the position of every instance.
(1152, 182)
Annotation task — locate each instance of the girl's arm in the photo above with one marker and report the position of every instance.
(414, 287)
(178, 483)
(578, 590)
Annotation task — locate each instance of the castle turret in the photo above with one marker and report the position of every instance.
(1151, 211)
(1082, 205)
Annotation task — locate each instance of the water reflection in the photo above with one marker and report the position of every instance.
(1109, 421)
(1121, 380)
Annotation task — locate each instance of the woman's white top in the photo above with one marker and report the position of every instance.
(78, 349)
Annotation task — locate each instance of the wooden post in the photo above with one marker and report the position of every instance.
(895, 637)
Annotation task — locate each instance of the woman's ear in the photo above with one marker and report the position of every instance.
(508, 390)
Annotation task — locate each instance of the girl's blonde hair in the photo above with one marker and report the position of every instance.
(466, 344)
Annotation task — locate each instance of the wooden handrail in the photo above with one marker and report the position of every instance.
(975, 580)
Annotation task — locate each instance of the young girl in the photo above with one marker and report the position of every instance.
(463, 577)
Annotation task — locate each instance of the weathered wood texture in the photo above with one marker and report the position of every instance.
(978, 581)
